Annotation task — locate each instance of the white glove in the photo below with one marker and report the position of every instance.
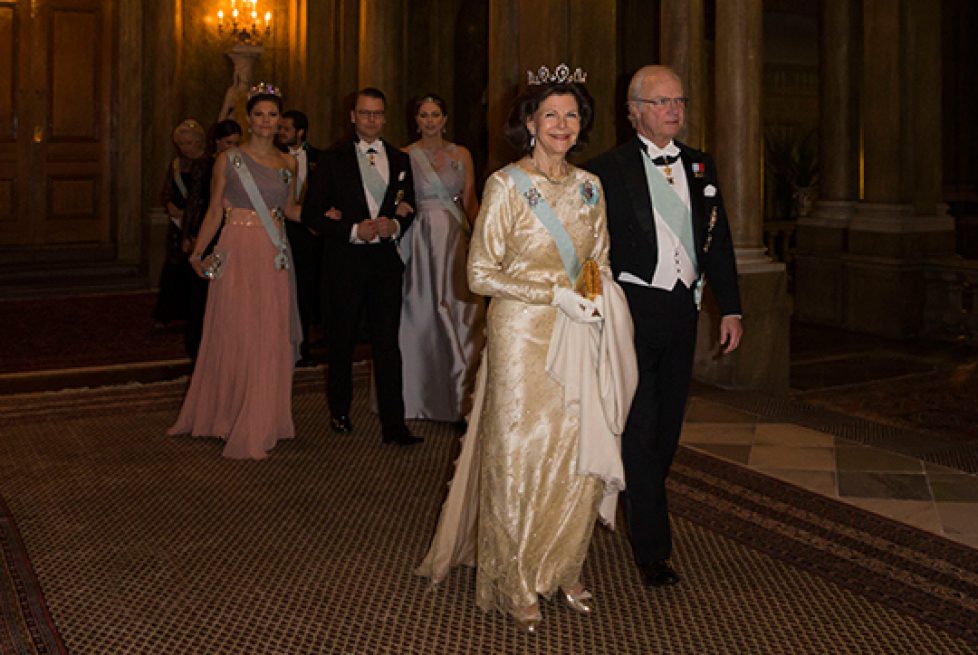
(577, 307)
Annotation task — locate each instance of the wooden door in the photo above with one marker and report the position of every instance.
(55, 121)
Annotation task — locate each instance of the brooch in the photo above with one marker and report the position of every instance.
(236, 160)
(285, 174)
(532, 196)
(589, 193)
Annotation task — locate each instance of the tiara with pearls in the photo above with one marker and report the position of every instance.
(560, 75)
(264, 89)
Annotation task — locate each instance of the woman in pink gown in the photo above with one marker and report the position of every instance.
(241, 388)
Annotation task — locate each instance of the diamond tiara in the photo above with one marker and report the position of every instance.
(560, 75)
(264, 88)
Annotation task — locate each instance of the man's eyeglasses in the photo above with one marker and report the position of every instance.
(366, 113)
(679, 103)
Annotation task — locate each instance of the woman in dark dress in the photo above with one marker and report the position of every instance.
(185, 194)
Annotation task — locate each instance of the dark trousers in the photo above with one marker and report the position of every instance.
(370, 281)
(665, 341)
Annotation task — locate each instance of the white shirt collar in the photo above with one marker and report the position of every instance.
(671, 149)
(376, 144)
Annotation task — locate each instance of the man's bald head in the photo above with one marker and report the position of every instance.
(651, 73)
(656, 105)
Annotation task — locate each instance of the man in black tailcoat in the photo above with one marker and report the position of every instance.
(361, 198)
(669, 236)
(306, 243)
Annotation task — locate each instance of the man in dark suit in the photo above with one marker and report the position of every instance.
(669, 234)
(306, 243)
(361, 198)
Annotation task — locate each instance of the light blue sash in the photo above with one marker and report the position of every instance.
(178, 179)
(546, 215)
(432, 180)
(372, 179)
(258, 203)
(671, 207)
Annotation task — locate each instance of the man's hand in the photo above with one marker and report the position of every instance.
(333, 214)
(731, 331)
(385, 227)
(367, 230)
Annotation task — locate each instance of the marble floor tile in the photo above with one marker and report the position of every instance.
(865, 458)
(930, 467)
(954, 487)
(917, 513)
(904, 486)
(738, 454)
(700, 410)
(788, 457)
(786, 434)
(729, 433)
(821, 482)
(958, 518)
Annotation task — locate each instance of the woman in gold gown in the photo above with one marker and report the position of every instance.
(535, 510)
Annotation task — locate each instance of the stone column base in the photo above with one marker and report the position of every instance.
(884, 281)
(820, 243)
(761, 362)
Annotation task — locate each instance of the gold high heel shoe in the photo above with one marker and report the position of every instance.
(579, 601)
(527, 619)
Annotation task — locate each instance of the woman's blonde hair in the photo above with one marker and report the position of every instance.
(192, 127)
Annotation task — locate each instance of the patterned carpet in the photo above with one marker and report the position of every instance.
(148, 544)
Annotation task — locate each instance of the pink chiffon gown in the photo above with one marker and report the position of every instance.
(241, 388)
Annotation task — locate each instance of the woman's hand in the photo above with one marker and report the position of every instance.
(403, 209)
(333, 214)
(197, 265)
(577, 307)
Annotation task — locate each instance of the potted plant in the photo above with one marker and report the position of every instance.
(792, 169)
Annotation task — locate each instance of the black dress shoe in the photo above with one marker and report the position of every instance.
(658, 574)
(401, 436)
(341, 424)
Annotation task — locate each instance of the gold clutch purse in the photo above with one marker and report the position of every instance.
(588, 282)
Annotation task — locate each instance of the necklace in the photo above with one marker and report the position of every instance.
(552, 180)
(438, 155)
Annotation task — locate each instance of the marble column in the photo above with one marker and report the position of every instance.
(821, 237)
(382, 60)
(897, 225)
(682, 48)
(762, 360)
(517, 44)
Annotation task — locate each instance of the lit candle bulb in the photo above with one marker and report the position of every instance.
(268, 18)
(220, 17)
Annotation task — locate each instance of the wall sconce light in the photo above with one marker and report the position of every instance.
(243, 23)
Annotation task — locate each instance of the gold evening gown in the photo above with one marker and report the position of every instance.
(535, 513)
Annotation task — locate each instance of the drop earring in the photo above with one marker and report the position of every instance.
(533, 141)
